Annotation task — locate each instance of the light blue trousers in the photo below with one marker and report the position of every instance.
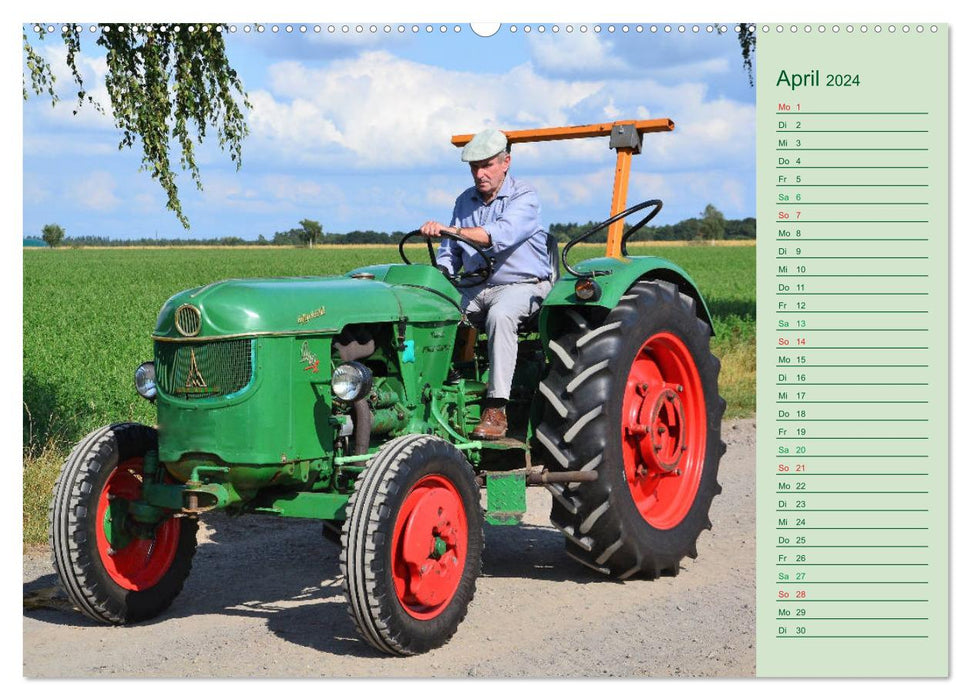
(499, 309)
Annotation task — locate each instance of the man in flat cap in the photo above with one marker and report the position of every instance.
(502, 215)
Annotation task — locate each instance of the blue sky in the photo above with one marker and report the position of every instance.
(352, 129)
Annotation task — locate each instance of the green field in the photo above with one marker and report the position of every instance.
(88, 314)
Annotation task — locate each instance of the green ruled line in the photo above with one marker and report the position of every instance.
(878, 150)
(852, 294)
(850, 184)
(852, 420)
(857, 257)
(847, 401)
(800, 601)
(787, 203)
(851, 510)
(803, 239)
(858, 564)
(855, 311)
(851, 546)
(816, 583)
(852, 131)
(851, 384)
(854, 330)
(800, 619)
(894, 276)
(800, 348)
(851, 167)
(859, 366)
(846, 437)
(852, 528)
(802, 474)
(854, 221)
(801, 492)
(800, 113)
(851, 456)
(851, 636)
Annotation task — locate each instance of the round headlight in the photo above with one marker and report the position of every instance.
(587, 289)
(145, 380)
(351, 381)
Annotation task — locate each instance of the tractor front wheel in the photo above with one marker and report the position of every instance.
(112, 567)
(412, 545)
(635, 399)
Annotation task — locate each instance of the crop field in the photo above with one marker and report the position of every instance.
(88, 314)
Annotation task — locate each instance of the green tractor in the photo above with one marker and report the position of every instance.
(351, 400)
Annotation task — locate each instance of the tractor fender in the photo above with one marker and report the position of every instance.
(624, 273)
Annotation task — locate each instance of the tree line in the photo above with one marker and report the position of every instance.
(709, 225)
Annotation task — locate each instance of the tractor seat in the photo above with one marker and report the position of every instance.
(530, 324)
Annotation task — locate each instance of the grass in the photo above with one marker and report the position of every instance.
(88, 314)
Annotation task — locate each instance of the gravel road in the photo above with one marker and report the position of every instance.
(264, 600)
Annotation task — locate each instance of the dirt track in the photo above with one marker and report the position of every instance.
(264, 600)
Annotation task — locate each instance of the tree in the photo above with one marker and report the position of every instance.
(310, 231)
(712, 225)
(166, 83)
(746, 41)
(52, 235)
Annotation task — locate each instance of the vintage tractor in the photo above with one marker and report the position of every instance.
(351, 400)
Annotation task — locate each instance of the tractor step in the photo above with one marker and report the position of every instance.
(506, 443)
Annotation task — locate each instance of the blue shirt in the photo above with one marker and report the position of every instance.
(512, 220)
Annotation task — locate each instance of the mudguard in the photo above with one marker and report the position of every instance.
(624, 272)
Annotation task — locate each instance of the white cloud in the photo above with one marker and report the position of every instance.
(378, 110)
(557, 193)
(53, 144)
(35, 191)
(686, 194)
(440, 198)
(269, 193)
(92, 70)
(95, 191)
(576, 54)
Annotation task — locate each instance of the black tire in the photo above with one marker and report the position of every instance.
(378, 579)
(143, 577)
(616, 524)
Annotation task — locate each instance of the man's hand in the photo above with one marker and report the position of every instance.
(477, 235)
(433, 229)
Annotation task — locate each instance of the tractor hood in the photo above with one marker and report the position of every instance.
(308, 305)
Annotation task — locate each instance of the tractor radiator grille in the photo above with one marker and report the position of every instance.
(203, 370)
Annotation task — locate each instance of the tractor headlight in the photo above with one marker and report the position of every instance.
(351, 381)
(587, 289)
(145, 380)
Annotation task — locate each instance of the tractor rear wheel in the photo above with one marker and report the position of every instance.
(114, 569)
(634, 398)
(412, 545)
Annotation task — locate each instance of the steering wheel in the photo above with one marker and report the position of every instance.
(655, 203)
(461, 279)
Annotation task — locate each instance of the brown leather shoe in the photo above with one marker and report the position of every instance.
(492, 426)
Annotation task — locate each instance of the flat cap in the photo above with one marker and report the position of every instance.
(484, 145)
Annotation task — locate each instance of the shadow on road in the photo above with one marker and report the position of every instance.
(287, 573)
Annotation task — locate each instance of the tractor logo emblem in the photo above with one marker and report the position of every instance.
(308, 317)
(309, 358)
(194, 378)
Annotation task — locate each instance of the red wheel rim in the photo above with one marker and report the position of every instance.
(429, 546)
(664, 430)
(133, 563)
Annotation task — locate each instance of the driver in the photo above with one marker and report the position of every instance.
(502, 215)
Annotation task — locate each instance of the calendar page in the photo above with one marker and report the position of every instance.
(437, 349)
